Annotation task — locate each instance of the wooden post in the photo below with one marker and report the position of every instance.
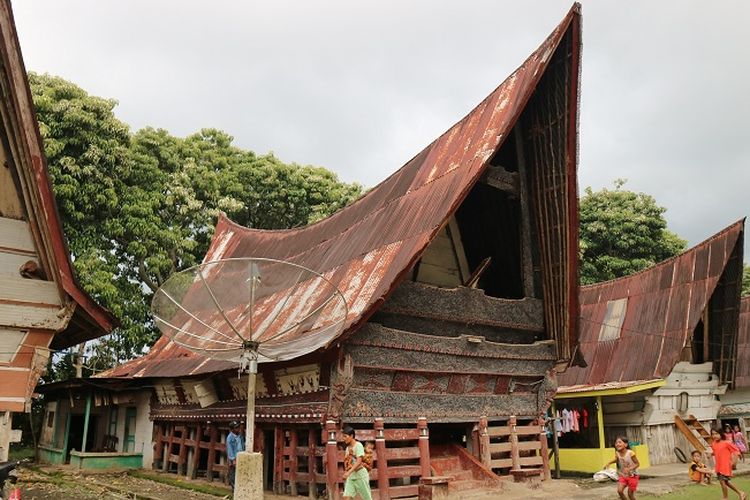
(484, 443)
(555, 442)
(278, 460)
(523, 194)
(544, 449)
(182, 456)
(86, 422)
(382, 462)
(293, 461)
(332, 462)
(66, 436)
(213, 438)
(312, 466)
(192, 471)
(158, 446)
(514, 456)
(424, 446)
(600, 421)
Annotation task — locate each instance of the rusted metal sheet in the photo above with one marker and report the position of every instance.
(26, 148)
(664, 305)
(368, 247)
(742, 376)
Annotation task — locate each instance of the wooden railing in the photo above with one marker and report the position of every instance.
(401, 455)
(513, 447)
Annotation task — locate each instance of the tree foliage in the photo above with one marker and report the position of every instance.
(621, 233)
(136, 207)
(746, 281)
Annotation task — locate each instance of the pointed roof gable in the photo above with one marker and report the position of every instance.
(367, 247)
(26, 153)
(635, 328)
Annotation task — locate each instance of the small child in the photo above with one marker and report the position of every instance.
(367, 460)
(740, 442)
(697, 470)
(723, 457)
(627, 468)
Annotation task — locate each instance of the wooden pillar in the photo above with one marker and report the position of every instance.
(332, 462)
(213, 438)
(312, 464)
(484, 443)
(555, 442)
(66, 436)
(424, 446)
(527, 265)
(544, 449)
(158, 446)
(600, 421)
(383, 487)
(182, 456)
(86, 416)
(278, 459)
(514, 456)
(192, 471)
(293, 461)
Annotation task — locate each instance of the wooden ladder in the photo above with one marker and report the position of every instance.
(690, 424)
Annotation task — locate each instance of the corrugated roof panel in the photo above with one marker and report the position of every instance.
(660, 318)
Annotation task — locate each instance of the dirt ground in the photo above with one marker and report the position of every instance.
(54, 484)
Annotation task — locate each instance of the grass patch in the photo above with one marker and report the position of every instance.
(26, 452)
(698, 492)
(172, 480)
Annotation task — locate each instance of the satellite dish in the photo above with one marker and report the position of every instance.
(249, 310)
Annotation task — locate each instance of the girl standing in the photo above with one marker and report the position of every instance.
(723, 450)
(740, 442)
(627, 468)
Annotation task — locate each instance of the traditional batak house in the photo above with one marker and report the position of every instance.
(42, 307)
(661, 346)
(460, 276)
(735, 409)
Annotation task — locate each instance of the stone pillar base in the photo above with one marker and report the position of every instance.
(248, 481)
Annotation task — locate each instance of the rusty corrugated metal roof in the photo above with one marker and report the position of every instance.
(742, 376)
(29, 160)
(368, 246)
(664, 305)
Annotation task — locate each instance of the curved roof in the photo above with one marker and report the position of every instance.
(664, 305)
(366, 247)
(742, 376)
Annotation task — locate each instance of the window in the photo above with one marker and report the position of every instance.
(683, 401)
(613, 319)
(50, 418)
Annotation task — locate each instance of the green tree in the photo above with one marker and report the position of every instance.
(138, 207)
(746, 281)
(622, 232)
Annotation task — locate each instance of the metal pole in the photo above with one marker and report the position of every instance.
(86, 422)
(250, 424)
(600, 421)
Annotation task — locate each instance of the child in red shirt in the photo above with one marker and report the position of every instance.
(723, 451)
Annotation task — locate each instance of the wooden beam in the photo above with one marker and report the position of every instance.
(499, 178)
(527, 265)
(16, 235)
(312, 468)
(293, 461)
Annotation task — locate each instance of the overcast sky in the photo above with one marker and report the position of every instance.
(361, 86)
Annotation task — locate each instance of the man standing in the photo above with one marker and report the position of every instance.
(356, 476)
(235, 444)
